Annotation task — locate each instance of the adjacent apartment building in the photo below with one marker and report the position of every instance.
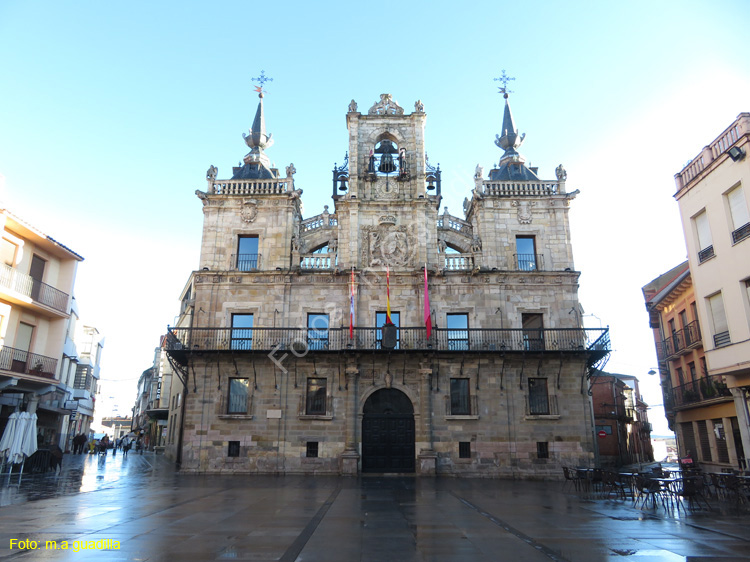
(699, 406)
(703, 312)
(37, 275)
(385, 336)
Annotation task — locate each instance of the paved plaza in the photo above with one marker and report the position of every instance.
(155, 514)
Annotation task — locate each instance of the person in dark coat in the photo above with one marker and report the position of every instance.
(56, 458)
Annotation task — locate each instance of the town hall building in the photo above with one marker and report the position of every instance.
(385, 335)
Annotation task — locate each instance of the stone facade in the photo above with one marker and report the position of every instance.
(278, 382)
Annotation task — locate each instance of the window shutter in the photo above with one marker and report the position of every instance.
(738, 207)
(717, 313)
(704, 232)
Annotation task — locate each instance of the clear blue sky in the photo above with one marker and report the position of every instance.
(112, 112)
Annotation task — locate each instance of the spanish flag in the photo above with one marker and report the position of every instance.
(427, 314)
(388, 296)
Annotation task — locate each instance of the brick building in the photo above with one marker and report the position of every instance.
(290, 364)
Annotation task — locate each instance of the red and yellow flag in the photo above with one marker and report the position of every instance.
(387, 296)
(427, 314)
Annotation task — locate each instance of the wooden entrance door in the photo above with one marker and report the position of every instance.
(388, 433)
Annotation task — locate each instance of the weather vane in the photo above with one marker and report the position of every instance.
(504, 78)
(263, 79)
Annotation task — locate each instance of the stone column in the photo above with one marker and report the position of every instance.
(427, 456)
(350, 456)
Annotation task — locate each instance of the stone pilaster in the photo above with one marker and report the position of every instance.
(350, 456)
(427, 457)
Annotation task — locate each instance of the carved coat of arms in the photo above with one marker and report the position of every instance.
(249, 210)
(388, 244)
(524, 211)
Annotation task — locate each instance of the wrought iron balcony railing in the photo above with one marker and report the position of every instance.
(682, 340)
(701, 390)
(20, 361)
(529, 262)
(301, 340)
(245, 262)
(14, 280)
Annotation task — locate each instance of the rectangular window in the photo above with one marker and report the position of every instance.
(683, 319)
(719, 320)
(242, 331)
(538, 397)
(526, 258)
(458, 331)
(317, 331)
(464, 449)
(234, 449)
(704, 367)
(380, 322)
(315, 404)
(460, 397)
(691, 367)
(247, 253)
(740, 216)
(238, 393)
(703, 231)
(542, 450)
(312, 450)
(680, 376)
(694, 311)
(8, 252)
(533, 331)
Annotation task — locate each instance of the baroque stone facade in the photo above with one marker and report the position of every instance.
(290, 367)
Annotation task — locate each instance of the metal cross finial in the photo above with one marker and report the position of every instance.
(504, 78)
(262, 79)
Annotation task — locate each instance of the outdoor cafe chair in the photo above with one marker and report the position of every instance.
(647, 490)
(691, 488)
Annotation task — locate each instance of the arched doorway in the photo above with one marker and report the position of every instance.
(388, 432)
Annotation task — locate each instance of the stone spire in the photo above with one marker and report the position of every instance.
(256, 164)
(511, 165)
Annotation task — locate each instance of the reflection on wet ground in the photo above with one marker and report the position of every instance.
(139, 509)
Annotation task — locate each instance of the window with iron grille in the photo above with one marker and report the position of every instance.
(542, 450)
(317, 331)
(538, 397)
(312, 450)
(247, 253)
(234, 449)
(460, 397)
(458, 331)
(316, 397)
(719, 319)
(703, 233)
(242, 331)
(238, 393)
(464, 449)
(526, 258)
(533, 331)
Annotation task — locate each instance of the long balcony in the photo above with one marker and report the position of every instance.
(683, 340)
(181, 341)
(704, 389)
(20, 361)
(14, 280)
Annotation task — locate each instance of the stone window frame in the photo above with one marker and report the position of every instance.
(302, 410)
(553, 413)
(225, 414)
(236, 233)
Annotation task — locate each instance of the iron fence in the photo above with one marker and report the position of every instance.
(20, 361)
(14, 280)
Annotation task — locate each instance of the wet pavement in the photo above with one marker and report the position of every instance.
(142, 506)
